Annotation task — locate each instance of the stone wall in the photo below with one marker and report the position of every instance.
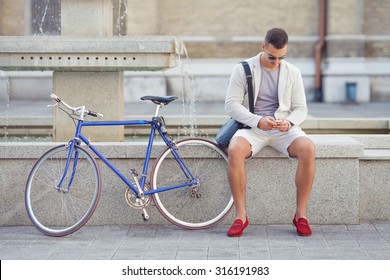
(209, 28)
(228, 29)
(350, 185)
(354, 27)
(376, 17)
(12, 17)
(221, 18)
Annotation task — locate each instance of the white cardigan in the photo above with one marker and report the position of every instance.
(292, 98)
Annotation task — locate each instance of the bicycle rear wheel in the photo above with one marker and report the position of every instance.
(59, 212)
(199, 206)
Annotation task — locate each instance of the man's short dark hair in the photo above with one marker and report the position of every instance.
(277, 37)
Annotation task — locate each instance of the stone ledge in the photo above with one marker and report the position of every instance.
(373, 141)
(343, 191)
(326, 147)
(209, 124)
(63, 53)
(378, 154)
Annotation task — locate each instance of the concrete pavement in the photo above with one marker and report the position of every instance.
(369, 240)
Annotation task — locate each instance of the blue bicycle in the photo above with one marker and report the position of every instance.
(188, 181)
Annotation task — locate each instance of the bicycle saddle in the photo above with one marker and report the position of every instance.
(159, 99)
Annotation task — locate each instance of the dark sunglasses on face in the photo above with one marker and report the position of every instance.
(273, 58)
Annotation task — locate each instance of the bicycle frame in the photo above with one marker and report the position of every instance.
(155, 126)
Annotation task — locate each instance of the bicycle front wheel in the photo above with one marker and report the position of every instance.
(200, 205)
(60, 210)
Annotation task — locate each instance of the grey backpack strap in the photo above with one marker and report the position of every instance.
(249, 78)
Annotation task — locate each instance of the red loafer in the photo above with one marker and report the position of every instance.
(237, 228)
(303, 228)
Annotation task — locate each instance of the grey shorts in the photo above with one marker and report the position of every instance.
(276, 139)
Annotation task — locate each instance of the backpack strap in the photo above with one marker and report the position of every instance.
(249, 78)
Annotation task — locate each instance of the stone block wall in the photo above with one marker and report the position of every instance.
(229, 29)
(232, 18)
(350, 185)
(376, 17)
(213, 25)
(208, 28)
(12, 17)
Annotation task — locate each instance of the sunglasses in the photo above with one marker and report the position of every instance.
(273, 58)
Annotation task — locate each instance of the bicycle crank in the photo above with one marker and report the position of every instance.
(135, 202)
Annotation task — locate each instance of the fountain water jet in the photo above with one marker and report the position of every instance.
(188, 95)
(5, 100)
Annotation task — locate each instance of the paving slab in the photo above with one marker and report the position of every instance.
(368, 241)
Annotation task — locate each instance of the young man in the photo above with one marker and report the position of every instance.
(280, 106)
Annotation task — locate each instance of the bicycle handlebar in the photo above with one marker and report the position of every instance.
(78, 110)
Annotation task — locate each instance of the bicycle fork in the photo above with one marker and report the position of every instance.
(75, 161)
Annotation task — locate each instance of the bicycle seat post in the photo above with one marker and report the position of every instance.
(157, 110)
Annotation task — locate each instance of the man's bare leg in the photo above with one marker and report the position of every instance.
(304, 149)
(239, 149)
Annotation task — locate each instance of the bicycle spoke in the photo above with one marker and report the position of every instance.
(61, 211)
(197, 206)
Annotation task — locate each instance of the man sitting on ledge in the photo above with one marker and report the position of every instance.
(280, 106)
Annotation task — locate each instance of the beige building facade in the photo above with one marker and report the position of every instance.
(356, 34)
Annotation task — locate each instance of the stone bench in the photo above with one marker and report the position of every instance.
(351, 182)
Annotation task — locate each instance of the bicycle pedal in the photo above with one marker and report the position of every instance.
(145, 215)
